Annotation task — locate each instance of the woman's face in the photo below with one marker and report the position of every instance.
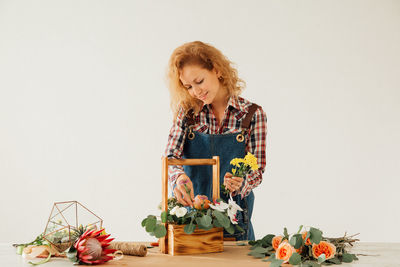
(201, 83)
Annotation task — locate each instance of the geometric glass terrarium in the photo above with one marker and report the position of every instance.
(67, 221)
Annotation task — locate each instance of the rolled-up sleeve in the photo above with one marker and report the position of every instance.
(257, 146)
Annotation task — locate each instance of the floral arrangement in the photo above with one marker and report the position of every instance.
(241, 167)
(307, 248)
(204, 215)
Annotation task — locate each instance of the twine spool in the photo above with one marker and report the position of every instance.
(129, 248)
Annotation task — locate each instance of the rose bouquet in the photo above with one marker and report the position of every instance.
(307, 248)
(204, 215)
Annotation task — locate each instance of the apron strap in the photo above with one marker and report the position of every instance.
(190, 120)
(247, 120)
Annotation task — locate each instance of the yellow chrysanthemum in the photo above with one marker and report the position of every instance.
(233, 171)
(236, 161)
(251, 160)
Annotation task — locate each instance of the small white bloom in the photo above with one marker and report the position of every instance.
(180, 212)
(220, 206)
(173, 211)
(233, 206)
(232, 210)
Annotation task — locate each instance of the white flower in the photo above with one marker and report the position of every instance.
(232, 210)
(220, 206)
(173, 211)
(233, 206)
(180, 212)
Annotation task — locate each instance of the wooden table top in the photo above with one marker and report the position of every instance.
(380, 255)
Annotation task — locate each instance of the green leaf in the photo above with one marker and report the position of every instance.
(222, 219)
(204, 222)
(354, 257)
(296, 241)
(151, 224)
(230, 229)
(293, 240)
(347, 257)
(20, 249)
(252, 242)
(312, 263)
(240, 229)
(334, 260)
(257, 255)
(271, 258)
(71, 254)
(260, 250)
(285, 233)
(295, 259)
(217, 224)
(189, 228)
(144, 222)
(160, 231)
(301, 227)
(209, 212)
(321, 258)
(267, 240)
(315, 235)
(207, 220)
(164, 216)
(276, 263)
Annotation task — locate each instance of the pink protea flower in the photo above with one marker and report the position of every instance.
(91, 248)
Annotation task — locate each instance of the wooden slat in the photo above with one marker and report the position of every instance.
(192, 162)
(163, 242)
(216, 175)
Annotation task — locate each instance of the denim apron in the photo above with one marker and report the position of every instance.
(227, 147)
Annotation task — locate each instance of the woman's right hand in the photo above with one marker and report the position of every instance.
(184, 190)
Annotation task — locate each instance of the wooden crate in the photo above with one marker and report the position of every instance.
(200, 241)
(177, 242)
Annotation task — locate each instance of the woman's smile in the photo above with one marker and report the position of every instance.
(203, 97)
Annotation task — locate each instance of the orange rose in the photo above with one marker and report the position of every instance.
(324, 248)
(284, 252)
(276, 241)
(308, 242)
(201, 202)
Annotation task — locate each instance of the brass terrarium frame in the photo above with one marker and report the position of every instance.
(66, 225)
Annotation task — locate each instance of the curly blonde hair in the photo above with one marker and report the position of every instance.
(208, 57)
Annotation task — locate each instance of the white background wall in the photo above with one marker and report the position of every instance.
(84, 109)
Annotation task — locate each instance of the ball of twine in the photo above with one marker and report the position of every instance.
(129, 248)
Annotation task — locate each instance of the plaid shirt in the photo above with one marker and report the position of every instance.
(206, 122)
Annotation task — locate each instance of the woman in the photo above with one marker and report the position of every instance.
(211, 119)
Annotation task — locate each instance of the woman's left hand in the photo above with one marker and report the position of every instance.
(232, 183)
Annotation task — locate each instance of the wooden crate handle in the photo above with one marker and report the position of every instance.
(167, 162)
